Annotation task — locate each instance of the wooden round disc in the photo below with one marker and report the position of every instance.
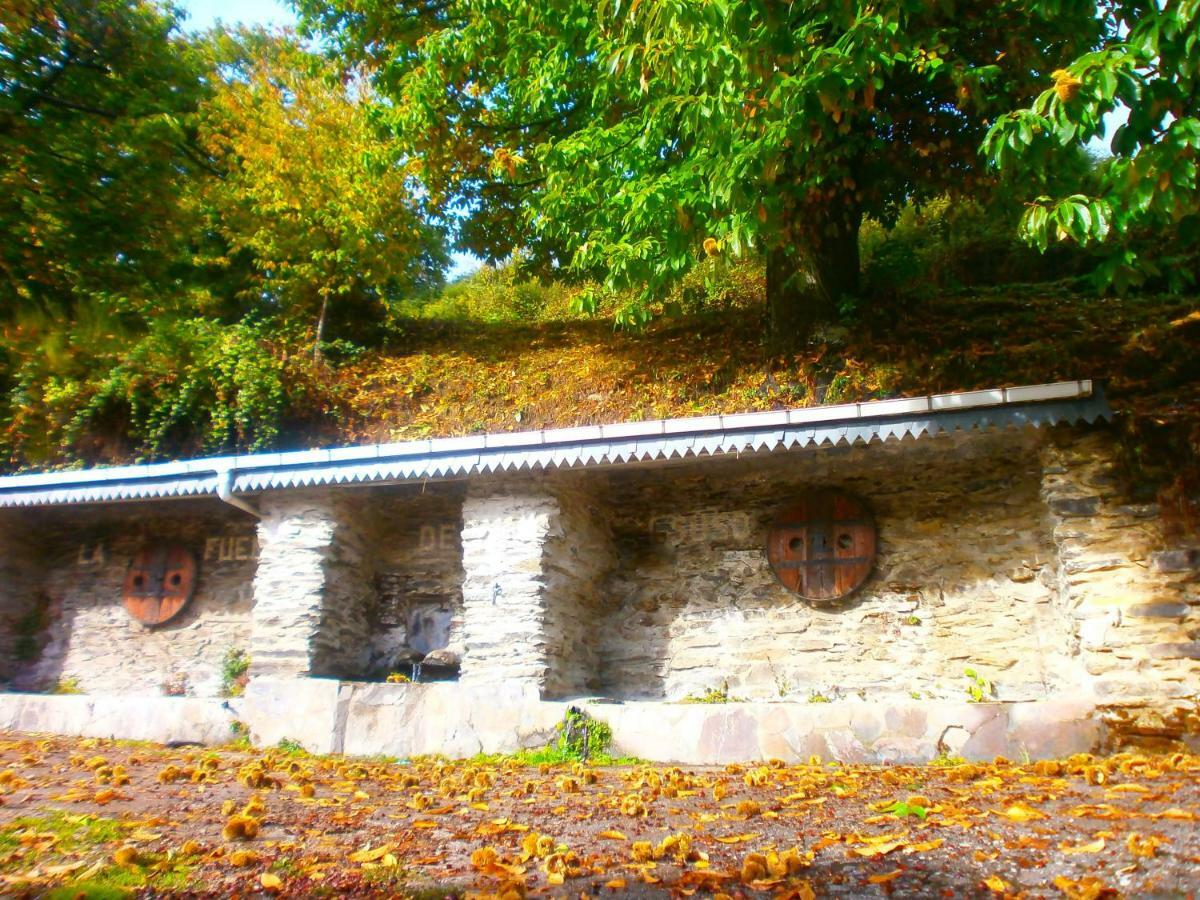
(822, 546)
(160, 582)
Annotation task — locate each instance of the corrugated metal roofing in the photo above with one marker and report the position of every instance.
(596, 445)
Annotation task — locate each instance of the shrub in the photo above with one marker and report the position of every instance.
(495, 294)
(582, 738)
(67, 686)
(235, 670)
(182, 386)
(713, 695)
(949, 243)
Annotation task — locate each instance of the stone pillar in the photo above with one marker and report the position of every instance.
(313, 591)
(532, 562)
(1132, 614)
(578, 558)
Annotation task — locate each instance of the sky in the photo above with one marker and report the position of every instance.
(204, 13)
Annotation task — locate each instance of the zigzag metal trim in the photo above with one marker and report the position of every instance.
(137, 483)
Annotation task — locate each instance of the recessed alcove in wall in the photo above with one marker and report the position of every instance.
(693, 604)
(81, 570)
(416, 550)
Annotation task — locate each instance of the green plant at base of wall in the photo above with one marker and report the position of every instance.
(946, 761)
(291, 747)
(241, 735)
(979, 689)
(713, 695)
(581, 737)
(67, 686)
(576, 731)
(234, 669)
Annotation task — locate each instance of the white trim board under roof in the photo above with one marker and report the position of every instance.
(622, 443)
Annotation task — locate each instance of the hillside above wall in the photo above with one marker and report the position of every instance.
(454, 378)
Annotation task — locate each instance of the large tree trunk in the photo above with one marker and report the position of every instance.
(807, 279)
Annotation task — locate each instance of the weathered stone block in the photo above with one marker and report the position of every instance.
(452, 719)
(1176, 560)
(1163, 610)
(1074, 506)
(1185, 650)
(147, 718)
(311, 711)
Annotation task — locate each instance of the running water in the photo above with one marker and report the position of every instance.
(416, 672)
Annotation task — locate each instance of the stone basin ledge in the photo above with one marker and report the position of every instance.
(456, 720)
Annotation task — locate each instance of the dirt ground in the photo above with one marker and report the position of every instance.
(99, 818)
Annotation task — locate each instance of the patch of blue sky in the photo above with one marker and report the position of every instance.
(202, 14)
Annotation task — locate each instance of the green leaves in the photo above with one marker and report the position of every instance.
(902, 809)
(96, 101)
(1147, 70)
(651, 129)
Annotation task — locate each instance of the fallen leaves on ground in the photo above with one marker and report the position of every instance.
(237, 821)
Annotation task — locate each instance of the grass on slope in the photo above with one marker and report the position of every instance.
(462, 377)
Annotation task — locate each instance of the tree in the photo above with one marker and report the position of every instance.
(1149, 64)
(96, 100)
(315, 194)
(628, 140)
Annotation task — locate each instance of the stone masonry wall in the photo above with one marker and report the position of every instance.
(1133, 598)
(314, 590)
(84, 554)
(504, 604)
(965, 578)
(579, 555)
(18, 594)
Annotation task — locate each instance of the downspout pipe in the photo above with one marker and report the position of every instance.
(225, 492)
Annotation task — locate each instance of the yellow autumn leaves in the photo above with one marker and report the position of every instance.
(506, 162)
(283, 823)
(1066, 85)
(557, 862)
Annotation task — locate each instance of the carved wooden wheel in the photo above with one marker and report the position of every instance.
(160, 582)
(823, 545)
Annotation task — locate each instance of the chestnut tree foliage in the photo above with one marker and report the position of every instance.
(96, 99)
(1145, 206)
(627, 139)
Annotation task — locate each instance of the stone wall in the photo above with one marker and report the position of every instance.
(534, 559)
(965, 578)
(579, 555)
(18, 595)
(314, 590)
(1131, 595)
(1015, 554)
(504, 604)
(90, 639)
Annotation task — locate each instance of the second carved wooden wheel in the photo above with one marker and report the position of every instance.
(822, 546)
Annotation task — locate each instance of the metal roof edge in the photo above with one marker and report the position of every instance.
(584, 446)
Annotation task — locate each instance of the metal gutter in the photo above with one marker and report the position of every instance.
(623, 443)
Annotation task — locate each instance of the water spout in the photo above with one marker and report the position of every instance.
(416, 671)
